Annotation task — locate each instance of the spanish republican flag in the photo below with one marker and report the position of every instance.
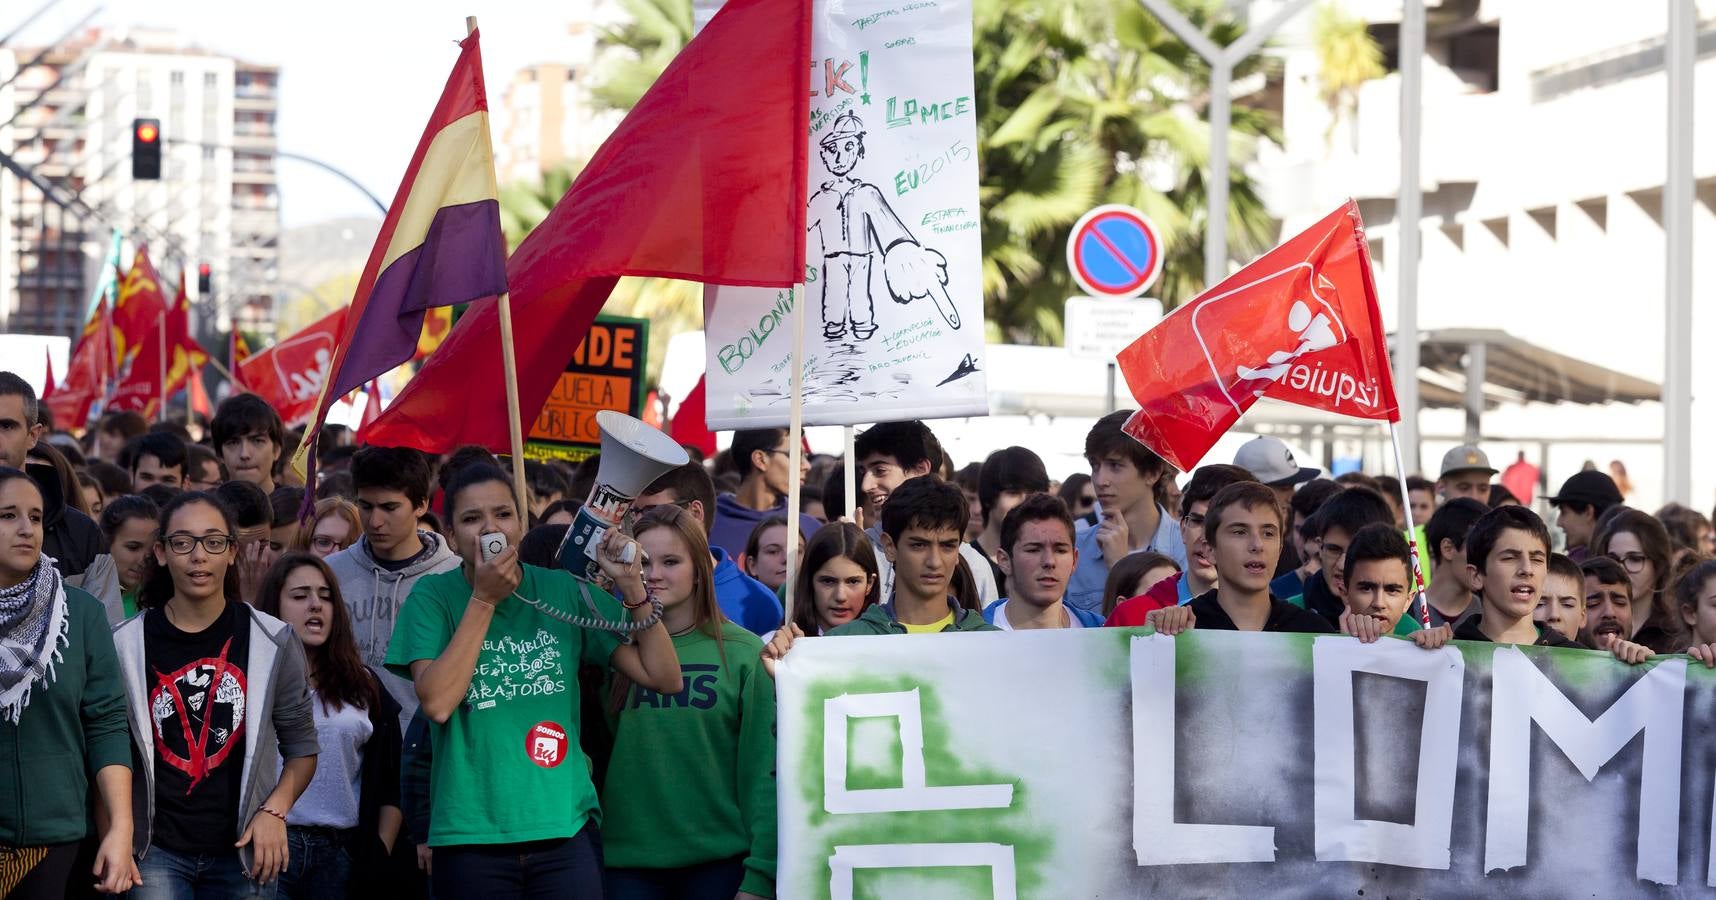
(440, 244)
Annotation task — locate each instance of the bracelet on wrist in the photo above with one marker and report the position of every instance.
(272, 812)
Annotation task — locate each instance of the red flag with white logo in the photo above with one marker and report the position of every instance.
(289, 375)
(1300, 324)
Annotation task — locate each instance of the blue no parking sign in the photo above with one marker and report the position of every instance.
(1115, 251)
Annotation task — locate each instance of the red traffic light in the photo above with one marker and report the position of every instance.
(147, 132)
(203, 270)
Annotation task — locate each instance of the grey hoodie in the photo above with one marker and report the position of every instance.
(277, 718)
(374, 595)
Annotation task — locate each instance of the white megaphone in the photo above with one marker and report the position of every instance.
(633, 455)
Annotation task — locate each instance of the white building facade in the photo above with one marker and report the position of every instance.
(1543, 160)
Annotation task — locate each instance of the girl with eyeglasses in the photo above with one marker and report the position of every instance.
(333, 527)
(218, 698)
(62, 717)
(1637, 541)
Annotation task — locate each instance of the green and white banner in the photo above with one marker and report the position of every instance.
(1118, 763)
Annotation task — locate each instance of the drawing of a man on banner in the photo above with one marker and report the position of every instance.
(852, 223)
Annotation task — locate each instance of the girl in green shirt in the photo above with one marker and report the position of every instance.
(494, 662)
(129, 526)
(689, 798)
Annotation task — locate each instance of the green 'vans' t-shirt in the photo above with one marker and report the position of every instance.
(507, 767)
(691, 780)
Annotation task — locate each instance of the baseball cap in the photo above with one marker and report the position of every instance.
(1269, 461)
(1590, 488)
(1465, 458)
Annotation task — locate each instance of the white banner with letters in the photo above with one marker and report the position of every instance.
(1112, 763)
(893, 317)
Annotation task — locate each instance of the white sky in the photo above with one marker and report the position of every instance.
(358, 78)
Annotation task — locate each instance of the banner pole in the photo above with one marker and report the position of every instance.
(161, 344)
(795, 449)
(509, 367)
(1418, 599)
(850, 475)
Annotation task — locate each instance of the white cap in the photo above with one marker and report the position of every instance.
(1269, 461)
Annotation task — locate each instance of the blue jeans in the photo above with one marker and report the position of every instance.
(565, 867)
(708, 881)
(319, 865)
(168, 875)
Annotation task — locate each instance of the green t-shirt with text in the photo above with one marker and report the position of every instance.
(507, 767)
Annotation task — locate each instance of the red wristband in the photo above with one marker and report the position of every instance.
(273, 813)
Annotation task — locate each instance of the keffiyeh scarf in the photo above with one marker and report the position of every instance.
(34, 629)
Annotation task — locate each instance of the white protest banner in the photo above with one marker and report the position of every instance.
(1116, 763)
(894, 256)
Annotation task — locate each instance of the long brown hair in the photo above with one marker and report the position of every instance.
(341, 677)
(707, 616)
(834, 540)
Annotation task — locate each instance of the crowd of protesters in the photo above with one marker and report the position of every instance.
(205, 692)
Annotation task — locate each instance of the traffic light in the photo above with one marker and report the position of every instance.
(203, 280)
(146, 149)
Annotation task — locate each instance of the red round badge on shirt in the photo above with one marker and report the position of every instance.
(545, 744)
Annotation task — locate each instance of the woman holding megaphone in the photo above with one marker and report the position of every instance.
(494, 661)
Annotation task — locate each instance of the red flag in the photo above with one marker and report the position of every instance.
(702, 181)
(199, 394)
(371, 404)
(138, 308)
(690, 427)
(48, 387)
(1299, 324)
(142, 389)
(87, 375)
(185, 354)
(289, 375)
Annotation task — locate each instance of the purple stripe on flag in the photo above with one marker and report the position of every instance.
(462, 258)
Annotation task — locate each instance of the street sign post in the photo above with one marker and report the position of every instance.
(1100, 329)
(1115, 251)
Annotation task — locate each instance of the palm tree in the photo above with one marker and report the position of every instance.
(639, 50)
(1347, 57)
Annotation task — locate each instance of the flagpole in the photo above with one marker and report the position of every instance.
(795, 447)
(1419, 600)
(509, 367)
(161, 334)
(850, 475)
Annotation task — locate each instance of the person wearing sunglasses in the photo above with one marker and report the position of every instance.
(224, 738)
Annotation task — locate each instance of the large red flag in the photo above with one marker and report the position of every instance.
(440, 243)
(138, 307)
(1299, 324)
(702, 180)
(88, 373)
(289, 375)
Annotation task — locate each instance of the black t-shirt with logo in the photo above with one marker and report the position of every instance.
(197, 696)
